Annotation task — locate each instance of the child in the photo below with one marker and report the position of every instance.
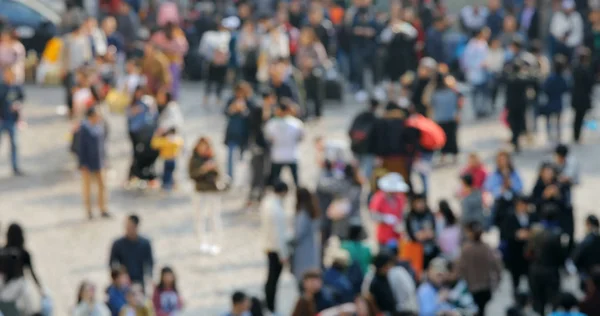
(137, 303)
(387, 207)
(169, 146)
(359, 251)
(472, 203)
(203, 170)
(117, 290)
(420, 226)
(166, 298)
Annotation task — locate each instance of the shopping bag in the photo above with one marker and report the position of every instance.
(412, 252)
(117, 101)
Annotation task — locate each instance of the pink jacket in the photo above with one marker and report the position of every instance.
(174, 48)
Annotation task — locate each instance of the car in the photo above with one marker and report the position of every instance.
(34, 22)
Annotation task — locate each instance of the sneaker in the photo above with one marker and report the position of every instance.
(106, 214)
(205, 248)
(361, 96)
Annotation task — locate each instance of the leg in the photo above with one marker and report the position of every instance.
(86, 182)
(578, 123)
(274, 272)
(275, 172)
(481, 299)
(202, 221)
(168, 170)
(319, 96)
(558, 128)
(217, 222)
(175, 71)
(366, 162)
(12, 134)
(222, 76)
(100, 181)
(230, 152)
(294, 171)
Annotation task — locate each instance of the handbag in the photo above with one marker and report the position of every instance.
(338, 209)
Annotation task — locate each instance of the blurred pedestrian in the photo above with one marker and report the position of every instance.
(171, 40)
(421, 227)
(137, 303)
(307, 245)
(591, 303)
(473, 62)
(392, 287)
(166, 298)
(11, 104)
(240, 305)
(387, 208)
(581, 91)
(87, 303)
(554, 88)
(585, 257)
(448, 231)
(237, 133)
(214, 47)
(117, 291)
(434, 290)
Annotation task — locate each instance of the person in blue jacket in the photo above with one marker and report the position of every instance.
(11, 99)
(117, 290)
(554, 88)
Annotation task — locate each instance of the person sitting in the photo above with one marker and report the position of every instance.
(117, 290)
(391, 286)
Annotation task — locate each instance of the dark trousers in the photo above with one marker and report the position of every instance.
(516, 121)
(167, 177)
(516, 272)
(314, 94)
(482, 298)
(10, 127)
(544, 286)
(68, 84)
(273, 275)
(578, 123)
(259, 164)
(276, 171)
(359, 63)
(215, 79)
(133, 137)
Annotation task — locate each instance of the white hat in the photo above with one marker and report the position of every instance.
(568, 4)
(392, 182)
(232, 22)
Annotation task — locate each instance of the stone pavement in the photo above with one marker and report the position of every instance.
(68, 248)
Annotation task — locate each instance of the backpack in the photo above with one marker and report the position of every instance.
(433, 136)
(359, 134)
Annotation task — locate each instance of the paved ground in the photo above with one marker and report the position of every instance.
(67, 248)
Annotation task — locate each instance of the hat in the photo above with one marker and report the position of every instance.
(568, 4)
(232, 22)
(392, 182)
(438, 265)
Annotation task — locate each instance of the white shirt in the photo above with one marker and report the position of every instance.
(212, 41)
(274, 226)
(567, 25)
(474, 21)
(284, 133)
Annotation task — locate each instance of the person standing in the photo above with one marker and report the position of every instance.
(581, 91)
(554, 88)
(12, 54)
(204, 171)
(166, 299)
(240, 305)
(566, 30)
(307, 246)
(284, 132)
(214, 48)
(237, 133)
(586, 257)
(312, 61)
(473, 209)
(359, 136)
(15, 242)
(275, 240)
(473, 62)
(259, 114)
(134, 252)
(387, 207)
(391, 286)
(479, 266)
(92, 155)
(172, 42)
(76, 52)
(420, 227)
(155, 67)
(117, 291)
(11, 99)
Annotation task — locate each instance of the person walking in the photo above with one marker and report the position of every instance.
(585, 257)
(92, 155)
(554, 88)
(214, 47)
(359, 131)
(76, 52)
(473, 62)
(260, 161)
(87, 303)
(312, 61)
(15, 243)
(12, 54)
(237, 133)
(172, 42)
(307, 246)
(275, 240)
(134, 252)
(581, 91)
(480, 267)
(284, 132)
(204, 172)
(155, 67)
(11, 102)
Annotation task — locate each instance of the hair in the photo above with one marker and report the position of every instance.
(204, 140)
(311, 274)
(476, 230)
(382, 259)
(536, 47)
(506, 154)
(355, 232)
(467, 180)
(163, 272)
(280, 187)
(447, 213)
(306, 201)
(168, 95)
(311, 32)
(562, 150)
(373, 104)
(560, 63)
(242, 87)
(15, 237)
(134, 219)
(238, 297)
(566, 301)
(91, 112)
(117, 272)
(352, 174)
(81, 289)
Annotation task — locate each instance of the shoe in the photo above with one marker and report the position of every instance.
(205, 248)
(18, 173)
(215, 250)
(106, 214)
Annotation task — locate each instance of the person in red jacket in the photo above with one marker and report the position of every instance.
(166, 298)
(476, 169)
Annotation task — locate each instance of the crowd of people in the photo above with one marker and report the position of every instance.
(285, 60)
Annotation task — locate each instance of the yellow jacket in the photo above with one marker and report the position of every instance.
(168, 146)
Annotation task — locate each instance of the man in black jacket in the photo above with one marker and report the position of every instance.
(581, 91)
(587, 254)
(359, 136)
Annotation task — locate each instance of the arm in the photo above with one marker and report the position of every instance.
(29, 265)
(157, 142)
(114, 259)
(149, 260)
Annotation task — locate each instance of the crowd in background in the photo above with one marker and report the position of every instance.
(284, 63)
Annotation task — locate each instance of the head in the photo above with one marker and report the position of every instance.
(315, 15)
(504, 161)
(585, 56)
(244, 10)
(355, 232)
(560, 64)
(93, 116)
(280, 189)
(91, 23)
(560, 153)
(139, 92)
(516, 45)
(474, 231)
(536, 48)
(242, 90)
(510, 24)
(484, 34)
(312, 282)
(120, 277)
(419, 203)
(282, 110)
(308, 36)
(592, 225)
(131, 226)
(383, 262)
(135, 295)
(307, 202)
(109, 25)
(493, 5)
(547, 173)
(86, 293)
(495, 44)
(521, 205)
(6, 34)
(14, 236)
(240, 302)
(467, 181)
(474, 161)
(163, 97)
(568, 6)
(277, 72)
(439, 22)
(427, 68)
(566, 302)
(124, 8)
(167, 279)
(437, 272)
(447, 213)
(203, 147)
(169, 28)
(530, 3)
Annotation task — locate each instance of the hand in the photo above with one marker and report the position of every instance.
(421, 235)
(15, 107)
(443, 295)
(83, 169)
(390, 219)
(522, 234)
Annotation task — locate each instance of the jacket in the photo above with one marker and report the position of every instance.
(135, 255)
(514, 252)
(416, 222)
(274, 232)
(586, 255)
(581, 90)
(479, 266)
(206, 180)
(238, 125)
(166, 302)
(545, 248)
(554, 88)
(116, 299)
(391, 137)
(92, 146)
(401, 284)
(473, 208)
(360, 129)
(494, 182)
(307, 245)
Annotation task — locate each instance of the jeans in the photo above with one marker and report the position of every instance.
(553, 127)
(274, 273)
(425, 159)
(359, 63)
(366, 163)
(276, 171)
(208, 218)
(11, 128)
(479, 99)
(167, 178)
(231, 147)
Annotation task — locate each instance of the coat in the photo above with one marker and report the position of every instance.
(581, 90)
(479, 266)
(391, 137)
(307, 245)
(514, 252)
(238, 125)
(205, 180)
(92, 146)
(554, 87)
